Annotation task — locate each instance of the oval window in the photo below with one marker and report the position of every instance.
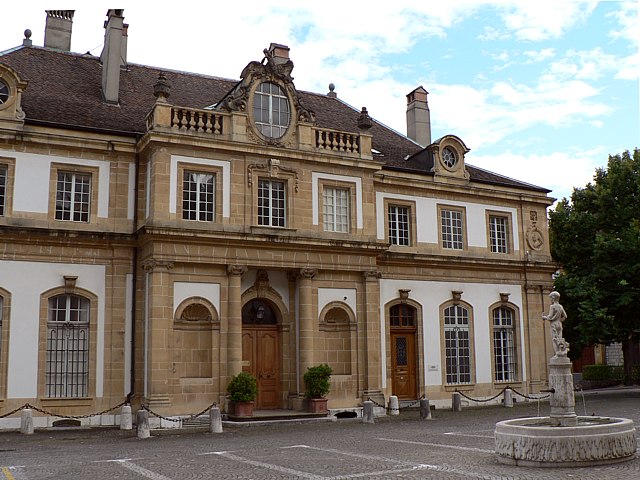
(271, 110)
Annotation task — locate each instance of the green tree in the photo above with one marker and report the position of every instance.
(596, 239)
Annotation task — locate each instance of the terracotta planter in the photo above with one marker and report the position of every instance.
(318, 405)
(242, 409)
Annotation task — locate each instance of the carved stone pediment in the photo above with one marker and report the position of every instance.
(11, 88)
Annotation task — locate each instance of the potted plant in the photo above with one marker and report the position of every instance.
(316, 381)
(242, 390)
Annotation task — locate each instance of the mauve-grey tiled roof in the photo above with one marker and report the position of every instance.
(65, 89)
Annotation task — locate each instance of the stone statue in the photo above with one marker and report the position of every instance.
(556, 317)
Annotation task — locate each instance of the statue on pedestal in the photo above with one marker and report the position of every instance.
(556, 317)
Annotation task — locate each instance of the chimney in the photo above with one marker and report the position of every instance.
(279, 53)
(57, 31)
(418, 117)
(112, 55)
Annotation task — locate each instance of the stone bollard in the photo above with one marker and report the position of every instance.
(508, 398)
(456, 402)
(26, 421)
(215, 420)
(126, 422)
(394, 408)
(142, 424)
(367, 412)
(425, 409)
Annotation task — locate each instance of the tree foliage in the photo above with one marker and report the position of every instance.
(596, 239)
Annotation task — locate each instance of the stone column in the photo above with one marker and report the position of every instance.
(371, 366)
(159, 321)
(234, 318)
(306, 321)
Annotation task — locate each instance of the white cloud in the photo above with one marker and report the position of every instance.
(540, 55)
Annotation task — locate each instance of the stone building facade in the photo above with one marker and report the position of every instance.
(163, 231)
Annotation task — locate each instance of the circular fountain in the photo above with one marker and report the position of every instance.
(563, 439)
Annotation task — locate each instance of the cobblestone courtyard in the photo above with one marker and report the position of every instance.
(451, 446)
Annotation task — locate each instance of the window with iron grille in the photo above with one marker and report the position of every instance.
(498, 234)
(336, 209)
(3, 188)
(451, 228)
(457, 345)
(402, 315)
(399, 225)
(504, 353)
(198, 196)
(271, 203)
(73, 196)
(271, 110)
(67, 357)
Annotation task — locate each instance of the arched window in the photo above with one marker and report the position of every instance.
(67, 357)
(402, 315)
(504, 354)
(271, 110)
(457, 337)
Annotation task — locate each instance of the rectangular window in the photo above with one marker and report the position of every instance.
(67, 358)
(457, 345)
(271, 203)
(452, 229)
(73, 196)
(503, 345)
(499, 234)
(399, 225)
(336, 209)
(3, 188)
(198, 196)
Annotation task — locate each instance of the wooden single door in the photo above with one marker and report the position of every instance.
(260, 356)
(403, 361)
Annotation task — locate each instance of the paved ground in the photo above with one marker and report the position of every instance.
(451, 446)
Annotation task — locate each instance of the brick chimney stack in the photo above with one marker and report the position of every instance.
(113, 56)
(419, 117)
(57, 30)
(280, 53)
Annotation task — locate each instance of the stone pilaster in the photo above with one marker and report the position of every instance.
(373, 378)
(306, 321)
(234, 315)
(158, 368)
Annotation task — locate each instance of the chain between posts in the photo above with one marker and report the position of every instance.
(484, 400)
(168, 419)
(417, 402)
(51, 414)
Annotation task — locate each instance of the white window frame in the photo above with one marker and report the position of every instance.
(399, 219)
(205, 200)
(274, 118)
(270, 191)
(4, 175)
(452, 228)
(457, 337)
(504, 346)
(336, 209)
(67, 346)
(69, 202)
(499, 233)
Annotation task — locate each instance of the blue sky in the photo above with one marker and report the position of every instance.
(541, 91)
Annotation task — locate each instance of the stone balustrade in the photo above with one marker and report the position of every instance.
(189, 119)
(336, 141)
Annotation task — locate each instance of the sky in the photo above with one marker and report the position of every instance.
(540, 91)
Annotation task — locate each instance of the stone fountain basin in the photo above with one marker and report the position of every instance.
(536, 442)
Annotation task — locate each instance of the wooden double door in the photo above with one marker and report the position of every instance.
(261, 358)
(403, 363)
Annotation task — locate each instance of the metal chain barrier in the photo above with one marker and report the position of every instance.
(542, 397)
(417, 402)
(51, 414)
(191, 417)
(26, 405)
(481, 400)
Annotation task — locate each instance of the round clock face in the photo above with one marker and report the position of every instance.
(4, 92)
(449, 157)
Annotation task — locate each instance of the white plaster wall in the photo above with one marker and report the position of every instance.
(430, 295)
(277, 280)
(428, 225)
(26, 281)
(131, 192)
(226, 180)
(315, 176)
(31, 188)
(344, 295)
(184, 290)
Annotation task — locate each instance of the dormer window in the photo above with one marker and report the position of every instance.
(449, 157)
(4, 92)
(271, 110)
